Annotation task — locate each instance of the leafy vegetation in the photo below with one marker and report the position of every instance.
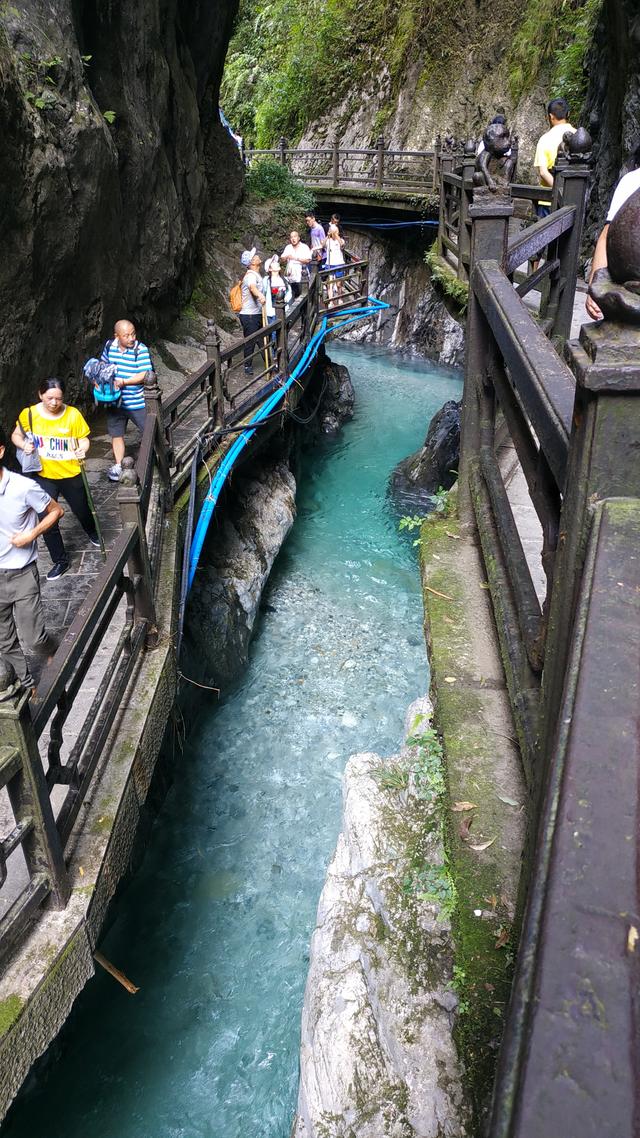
(555, 34)
(291, 60)
(268, 180)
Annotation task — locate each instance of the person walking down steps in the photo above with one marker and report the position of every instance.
(60, 435)
(132, 362)
(26, 511)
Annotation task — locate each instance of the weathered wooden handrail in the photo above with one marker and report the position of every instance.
(374, 167)
(571, 665)
(569, 1053)
(540, 379)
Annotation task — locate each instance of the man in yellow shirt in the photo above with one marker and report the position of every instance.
(548, 143)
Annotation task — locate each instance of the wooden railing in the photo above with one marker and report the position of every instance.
(570, 660)
(375, 168)
(50, 751)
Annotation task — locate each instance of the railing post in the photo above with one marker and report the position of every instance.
(437, 148)
(27, 788)
(153, 406)
(212, 347)
(139, 564)
(571, 186)
(380, 163)
(281, 336)
(336, 163)
(282, 149)
(466, 198)
(490, 216)
(447, 160)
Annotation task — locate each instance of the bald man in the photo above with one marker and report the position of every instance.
(132, 362)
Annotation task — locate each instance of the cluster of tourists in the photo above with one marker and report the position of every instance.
(52, 442)
(283, 275)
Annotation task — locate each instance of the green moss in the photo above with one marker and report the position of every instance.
(484, 956)
(446, 279)
(9, 1011)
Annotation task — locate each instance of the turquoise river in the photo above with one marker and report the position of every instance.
(216, 924)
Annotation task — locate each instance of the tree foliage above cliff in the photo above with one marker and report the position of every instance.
(291, 60)
(555, 34)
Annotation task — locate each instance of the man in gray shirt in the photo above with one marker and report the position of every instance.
(252, 303)
(26, 511)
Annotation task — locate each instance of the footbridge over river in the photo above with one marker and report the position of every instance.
(76, 766)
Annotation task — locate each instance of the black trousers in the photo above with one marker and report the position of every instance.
(73, 491)
(251, 322)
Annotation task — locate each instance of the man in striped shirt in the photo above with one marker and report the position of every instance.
(132, 361)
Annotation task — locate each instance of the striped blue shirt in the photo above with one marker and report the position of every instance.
(130, 362)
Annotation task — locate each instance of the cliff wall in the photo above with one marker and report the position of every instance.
(612, 109)
(111, 158)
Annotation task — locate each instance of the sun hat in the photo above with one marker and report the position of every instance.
(247, 257)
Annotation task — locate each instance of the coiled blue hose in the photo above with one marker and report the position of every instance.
(329, 323)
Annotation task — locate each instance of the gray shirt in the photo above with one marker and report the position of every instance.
(251, 306)
(21, 503)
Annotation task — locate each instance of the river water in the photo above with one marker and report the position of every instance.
(215, 926)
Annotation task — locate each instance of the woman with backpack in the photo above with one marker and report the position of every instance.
(60, 435)
(253, 301)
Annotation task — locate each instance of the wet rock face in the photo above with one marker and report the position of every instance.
(612, 109)
(436, 463)
(99, 220)
(237, 558)
(418, 318)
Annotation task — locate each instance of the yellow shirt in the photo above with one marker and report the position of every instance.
(547, 148)
(55, 439)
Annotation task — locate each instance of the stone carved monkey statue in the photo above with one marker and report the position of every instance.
(495, 164)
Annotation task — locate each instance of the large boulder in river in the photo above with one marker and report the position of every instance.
(338, 398)
(377, 1051)
(436, 463)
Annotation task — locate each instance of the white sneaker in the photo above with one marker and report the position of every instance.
(114, 472)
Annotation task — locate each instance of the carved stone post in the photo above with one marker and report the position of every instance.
(139, 565)
(489, 214)
(336, 162)
(379, 163)
(282, 349)
(466, 198)
(570, 187)
(282, 150)
(22, 773)
(212, 347)
(153, 406)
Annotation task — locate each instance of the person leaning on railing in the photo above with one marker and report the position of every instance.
(334, 246)
(26, 512)
(253, 301)
(58, 432)
(623, 191)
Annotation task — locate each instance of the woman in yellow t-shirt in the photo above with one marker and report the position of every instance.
(58, 432)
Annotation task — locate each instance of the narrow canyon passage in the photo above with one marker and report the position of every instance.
(215, 927)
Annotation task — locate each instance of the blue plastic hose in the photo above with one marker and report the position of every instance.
(347, 316)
